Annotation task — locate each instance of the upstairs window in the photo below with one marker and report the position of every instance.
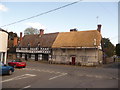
(19, 47)
(38, 46)
(28, 46)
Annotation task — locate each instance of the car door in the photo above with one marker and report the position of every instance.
(12, 63)
(4, 70)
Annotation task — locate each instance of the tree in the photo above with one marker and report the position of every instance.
(108, 47)
(30, 30)
(117, 49)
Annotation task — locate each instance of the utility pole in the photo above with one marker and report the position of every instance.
(97, 19)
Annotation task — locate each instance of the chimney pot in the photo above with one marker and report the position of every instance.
(71, 30)
(41, 32)
(99, 27)
(20, 36)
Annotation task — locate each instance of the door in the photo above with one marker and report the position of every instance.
(36, 57)
(45, 57)
(73, 60)
(25, 56)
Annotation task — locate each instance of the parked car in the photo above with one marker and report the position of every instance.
(17, 63)
(4, 69)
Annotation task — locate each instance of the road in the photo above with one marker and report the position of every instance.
(43, 75)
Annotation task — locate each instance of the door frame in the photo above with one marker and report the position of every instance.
(36, 57)
(73, 59)
(26, 57)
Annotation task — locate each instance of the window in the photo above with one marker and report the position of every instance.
(28, 46)
(20, 54)
(38, 46)
(63, 50)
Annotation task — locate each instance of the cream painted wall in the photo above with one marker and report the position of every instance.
(3, 46)
(82, 55)
(3, 41)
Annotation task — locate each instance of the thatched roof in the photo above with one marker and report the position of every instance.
(78, 39)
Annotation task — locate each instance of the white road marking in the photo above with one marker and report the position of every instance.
(43, 70)
(58, 76)
(57, 72)
(48, 71)
(91, 76)
(114, 78)
(98, 76)
(52, 72)
(30, 75)
(19, 77)
(25, 87)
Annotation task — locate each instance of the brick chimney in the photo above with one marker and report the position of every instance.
(20, 36)
(99, 27)
(41, 32)
(15, 41)
(71, 30)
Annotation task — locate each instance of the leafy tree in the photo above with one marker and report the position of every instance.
(108, 47)
(118, 49)
(30, 30)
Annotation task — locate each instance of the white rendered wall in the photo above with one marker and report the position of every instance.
(3, 46)
(3, 41)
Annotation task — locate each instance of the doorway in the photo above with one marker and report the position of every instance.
(45, 57)
(26, 57)
(73, 60)
(36, 57)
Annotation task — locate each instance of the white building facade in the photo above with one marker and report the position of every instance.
(3, 45)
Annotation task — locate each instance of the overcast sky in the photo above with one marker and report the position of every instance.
(82, 15)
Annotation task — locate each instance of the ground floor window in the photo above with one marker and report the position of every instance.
(36, 57)
(20, 54)
(29, 55)
(3, 57)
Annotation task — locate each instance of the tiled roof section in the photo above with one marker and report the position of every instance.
(29, 39)
(77, 39)
(46, 40)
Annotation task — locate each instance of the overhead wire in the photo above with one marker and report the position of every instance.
(41, 13)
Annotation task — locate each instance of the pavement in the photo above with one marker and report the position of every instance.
(44, 75)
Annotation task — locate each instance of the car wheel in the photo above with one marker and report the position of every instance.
(10, 72)
(15, 66)
(24, 66)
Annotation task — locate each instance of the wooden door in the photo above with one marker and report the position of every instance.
(36, 57)
(25, 56)
(73, 60)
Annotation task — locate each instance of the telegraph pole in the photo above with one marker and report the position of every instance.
(97, 19)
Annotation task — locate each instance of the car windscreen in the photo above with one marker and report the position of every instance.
(16, 61)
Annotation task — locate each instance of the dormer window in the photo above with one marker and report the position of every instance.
(28, 46)
(95, 42)
(38, 45)
(19, 46)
